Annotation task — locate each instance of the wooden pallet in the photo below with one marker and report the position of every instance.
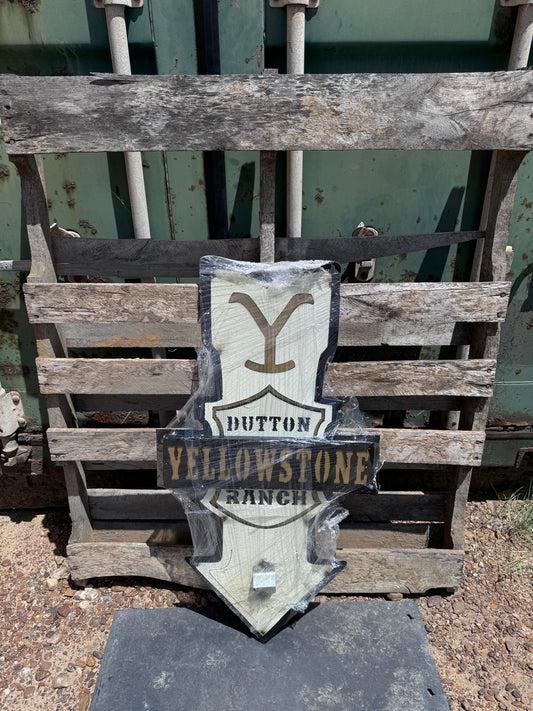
(399, 541)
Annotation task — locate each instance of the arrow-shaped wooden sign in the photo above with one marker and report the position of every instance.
(259, 481)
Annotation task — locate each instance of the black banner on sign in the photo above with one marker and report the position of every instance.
(187, 460)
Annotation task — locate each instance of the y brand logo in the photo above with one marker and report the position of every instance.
(270, 332)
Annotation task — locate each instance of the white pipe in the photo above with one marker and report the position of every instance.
(118, 38)
(523, 37)
(120, 58)
(295, 159)
(295, 39)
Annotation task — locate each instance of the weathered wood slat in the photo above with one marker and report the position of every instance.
(146, 335)
(138, 315)
(396, 445)
(138, 335)
(406, 571)
(117, 375)
(368, 571)
(116, 559)
(403, 535)
(113, 303)
(125, 403)
(467, 378)
(160, 505)
(268, 113)
(364, 535)
(410, 378)
(49, 337)
(178, 303)
(157, 258)
(355, 249)
(498, 211)
(150, 258)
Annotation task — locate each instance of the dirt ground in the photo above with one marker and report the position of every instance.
(54, 634)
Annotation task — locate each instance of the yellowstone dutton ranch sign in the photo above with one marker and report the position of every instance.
(258, 481)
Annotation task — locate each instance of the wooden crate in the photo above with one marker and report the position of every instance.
(406, 539)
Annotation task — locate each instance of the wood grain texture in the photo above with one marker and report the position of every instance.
(499, 205)
(396, 445)
(147, 258)
(125, 403)
(137, 315)
(161, 258)
(187, 335)
(37, 220)
(49, 337)
(160, 505)
(100, 559)
(368, 571)
(455, 512)
(113, 303)
(267, 113)
(410, 378)
(117, 375)
(140, 335)
(355, 249)
(469, 378)
(375, 535)
(406, 571)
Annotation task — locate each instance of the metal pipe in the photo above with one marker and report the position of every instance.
(295, 159)
(523, 37)
(118, 38)
(295, 39)
(120, 58)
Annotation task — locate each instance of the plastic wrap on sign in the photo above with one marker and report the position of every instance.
(262, 457)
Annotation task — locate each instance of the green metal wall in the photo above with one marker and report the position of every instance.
(397, 192)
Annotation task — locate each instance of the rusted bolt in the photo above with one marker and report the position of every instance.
(21, 421)
(16, 398)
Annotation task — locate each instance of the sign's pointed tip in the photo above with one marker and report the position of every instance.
(264, 629)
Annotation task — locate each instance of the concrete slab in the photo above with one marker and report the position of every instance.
(360, 656)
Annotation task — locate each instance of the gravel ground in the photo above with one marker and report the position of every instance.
(54, 634)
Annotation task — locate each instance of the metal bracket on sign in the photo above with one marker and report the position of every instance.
(100, 4)
(306, 3)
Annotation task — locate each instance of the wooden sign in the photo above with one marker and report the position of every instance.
(338, 466)
(258, 480)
